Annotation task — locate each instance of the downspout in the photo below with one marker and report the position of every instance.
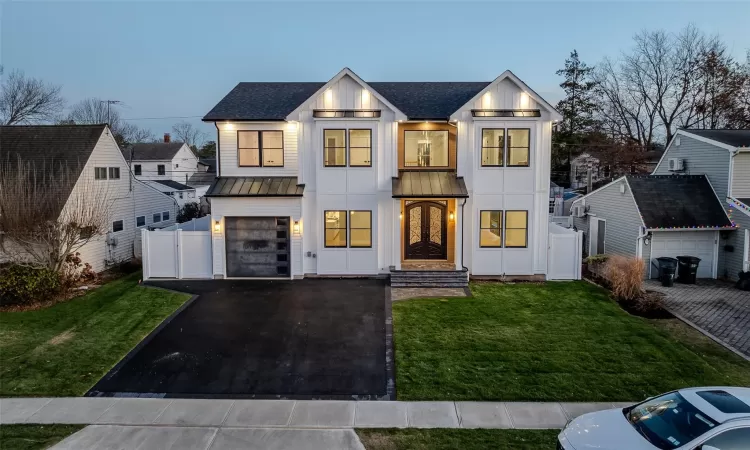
(218, 153)
(639, 243)
(463, 218)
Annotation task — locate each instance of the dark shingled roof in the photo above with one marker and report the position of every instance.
(429, 184)
(210, 163)
(262, 101)
(152, 151)
(173, 184)
(428, 100)
(59, 147)
(746, 201)
(255, 187)
(677, 201)
(201, 178)
(274, 101)
(735, 138)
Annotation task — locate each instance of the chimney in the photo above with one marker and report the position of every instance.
(166, 137)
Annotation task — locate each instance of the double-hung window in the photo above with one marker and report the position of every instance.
(516, 229)
(165, 215)
(357, 141)
(490, 228)
(161, 169)
(360, 229)
(157, 218)
(137, 169)
(360, 148)
(510, 232)
(260, 148)
(114, 173)
(509, 147)
(140, 221)
(334, 148)
(335, 228)
(100, 173)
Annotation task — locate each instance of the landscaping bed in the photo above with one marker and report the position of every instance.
(557, 341)
(64, 349)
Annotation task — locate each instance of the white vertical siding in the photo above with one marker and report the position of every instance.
(505, 95)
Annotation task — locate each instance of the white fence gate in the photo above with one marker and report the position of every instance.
(176, 254)
(565, 253)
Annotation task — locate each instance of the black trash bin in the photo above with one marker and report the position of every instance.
(688, 269)
(667, 269)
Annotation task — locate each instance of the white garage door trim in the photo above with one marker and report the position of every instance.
(664, 236)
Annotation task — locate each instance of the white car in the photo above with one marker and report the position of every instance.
(707, 418)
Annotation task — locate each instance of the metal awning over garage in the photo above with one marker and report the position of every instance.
(255, 187)
(429, 184)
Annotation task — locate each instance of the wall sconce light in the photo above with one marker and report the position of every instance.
(296, 227)
(228, 127)
(401, 215)
(451, 215)
(217, 226)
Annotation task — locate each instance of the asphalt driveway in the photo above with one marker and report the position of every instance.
(263, 339)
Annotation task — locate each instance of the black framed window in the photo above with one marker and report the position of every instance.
(493, 147)
(334, 228)
(334, 148)
(519, 145)
(165, 215)
(137, 169)
(260, 148)
(157, 217)
(100, 173)
(360, 229)
(114, 173)
(360, 147)
(516, 229)
(140, 221)
(426, 148)
(161, 170)
(117, 225)
(491, 228)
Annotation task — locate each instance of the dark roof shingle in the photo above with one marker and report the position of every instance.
(173, 184)
(677, 201)
(256, 187)
(735, 138)
(58, 148)
(201, 178)
(152, 151)
(429, 184)
(428, 100)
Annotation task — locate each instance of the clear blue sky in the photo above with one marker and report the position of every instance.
(180, 58)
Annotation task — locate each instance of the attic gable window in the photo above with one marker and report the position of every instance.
(506, 113)
(346, 113)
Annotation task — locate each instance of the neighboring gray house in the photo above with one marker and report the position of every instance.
(695, 203)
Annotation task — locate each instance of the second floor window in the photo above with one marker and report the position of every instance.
(426, 148)
(493, 147)
(137, 169)
(360, 148)
(114, 173)
(161, 170)
(260, 148)
(506, 147)
(100, 173)
(518, 147)
(334, 148)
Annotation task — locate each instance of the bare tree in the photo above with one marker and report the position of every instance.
(187, 133)
(40, 224)
(94, 110)
(28, 100)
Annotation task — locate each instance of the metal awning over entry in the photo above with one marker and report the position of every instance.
(255, 187)
(429, 184)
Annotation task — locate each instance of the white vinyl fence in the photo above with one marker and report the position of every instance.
(176, 254)
(565, 253)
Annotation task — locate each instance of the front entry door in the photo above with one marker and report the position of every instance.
(425, 230)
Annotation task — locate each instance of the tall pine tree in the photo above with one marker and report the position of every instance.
(577, 109)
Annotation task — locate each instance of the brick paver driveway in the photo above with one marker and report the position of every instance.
(714, 307)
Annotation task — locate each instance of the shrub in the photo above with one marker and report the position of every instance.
(188, 212)
(24, 285)
(625, 277)
(597, 259)
(75, 270)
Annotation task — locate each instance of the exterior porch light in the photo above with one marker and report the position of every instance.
(401, 215)
(451, 215)
(217, 226)
(228, 127)
(296, 228)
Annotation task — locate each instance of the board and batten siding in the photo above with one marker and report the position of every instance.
(741, 175)
(700, 158)
(623, 220)
(730, 263)
(229, 154)
(126, 205)
(256, 207)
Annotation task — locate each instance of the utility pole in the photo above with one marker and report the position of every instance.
(109, 103)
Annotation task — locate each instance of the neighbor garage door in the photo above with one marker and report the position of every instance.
(686, 243)
(257, 246)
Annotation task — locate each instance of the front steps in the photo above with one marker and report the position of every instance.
(429, 278)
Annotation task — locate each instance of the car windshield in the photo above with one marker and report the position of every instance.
(668, 421)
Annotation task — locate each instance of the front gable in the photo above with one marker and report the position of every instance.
(683, 144)
(508, 92)
(345, 91)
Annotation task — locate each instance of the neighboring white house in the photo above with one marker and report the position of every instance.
(696, 203)
(181, 193)
(162, 160)
(92, 150)
(354, 178)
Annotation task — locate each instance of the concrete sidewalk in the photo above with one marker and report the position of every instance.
(291, 414)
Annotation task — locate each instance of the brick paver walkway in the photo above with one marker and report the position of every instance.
(715, 308)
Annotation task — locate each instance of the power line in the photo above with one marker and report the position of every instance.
(160, 118)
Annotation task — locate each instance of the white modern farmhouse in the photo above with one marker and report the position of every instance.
(354, 178)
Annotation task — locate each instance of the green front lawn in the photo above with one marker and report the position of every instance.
(564, 341)
(34, 437)
(64, 349)
(444, 439)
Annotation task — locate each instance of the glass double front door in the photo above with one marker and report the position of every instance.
(425, 230)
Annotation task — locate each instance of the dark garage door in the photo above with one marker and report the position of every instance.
(257, 246)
